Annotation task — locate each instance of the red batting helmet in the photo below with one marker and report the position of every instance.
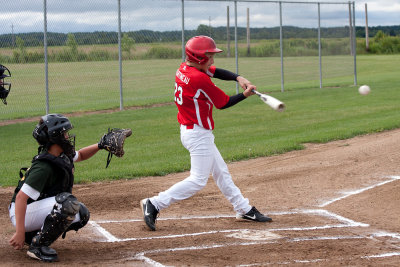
(197, 47)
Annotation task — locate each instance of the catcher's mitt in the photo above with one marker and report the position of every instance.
(113, 142)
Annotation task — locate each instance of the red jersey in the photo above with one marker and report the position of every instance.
(195, 96)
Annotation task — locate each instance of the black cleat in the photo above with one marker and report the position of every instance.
(149, 213)
(254, 215)
(42, 253)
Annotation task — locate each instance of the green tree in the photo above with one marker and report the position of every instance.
(379, 36)
(127, 44)
(20, 54)
(205, 30)
(73, 45)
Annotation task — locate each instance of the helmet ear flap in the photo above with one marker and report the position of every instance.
(40, 134)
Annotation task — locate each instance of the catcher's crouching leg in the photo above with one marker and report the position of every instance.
(84, 215)
(56, 223)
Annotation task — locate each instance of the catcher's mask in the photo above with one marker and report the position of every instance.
(53, 129)
(5, 87)
(197, 47)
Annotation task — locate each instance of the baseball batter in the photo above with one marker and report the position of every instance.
(195, 97)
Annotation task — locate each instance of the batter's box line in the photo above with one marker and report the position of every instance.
(141, 255)
(344, 222)
(351, 193)
(386, 234)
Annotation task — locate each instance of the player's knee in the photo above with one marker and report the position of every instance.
(199, 180)
(68, 204)
(84, 215)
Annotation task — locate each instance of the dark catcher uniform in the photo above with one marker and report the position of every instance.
(51, 209)
(47, 177)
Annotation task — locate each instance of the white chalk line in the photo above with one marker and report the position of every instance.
(386, 234)
(345, 222)
(140, 256)
(109, 237)
(191, 217)
(158, 251)
(319, 212)
(384, 255)
(347, 194)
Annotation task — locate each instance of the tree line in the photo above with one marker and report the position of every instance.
(218, 33)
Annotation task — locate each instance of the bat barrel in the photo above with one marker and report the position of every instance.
(271, 101)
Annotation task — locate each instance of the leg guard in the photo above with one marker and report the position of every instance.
(58, 220)
(84, 215)
(29, 236)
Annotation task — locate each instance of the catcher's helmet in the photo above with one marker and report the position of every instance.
(5, 87)
(51, 129)
(197, 47)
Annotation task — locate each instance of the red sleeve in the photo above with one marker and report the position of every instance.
(215, 95)
(211, 71)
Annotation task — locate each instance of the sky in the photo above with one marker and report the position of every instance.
(21, 16)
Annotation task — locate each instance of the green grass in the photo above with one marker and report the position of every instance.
(82, 86)
(249, 129)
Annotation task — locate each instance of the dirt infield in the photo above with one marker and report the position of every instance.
(332, 204)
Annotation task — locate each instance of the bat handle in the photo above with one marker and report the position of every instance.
(256, 92)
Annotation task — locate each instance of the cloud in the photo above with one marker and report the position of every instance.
(164, 15)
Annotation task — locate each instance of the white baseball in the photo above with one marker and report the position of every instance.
(364, 90)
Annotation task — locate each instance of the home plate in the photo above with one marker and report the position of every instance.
(255, 235)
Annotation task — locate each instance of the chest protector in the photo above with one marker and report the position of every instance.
(64, 182)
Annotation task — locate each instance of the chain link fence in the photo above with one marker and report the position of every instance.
(115, 54)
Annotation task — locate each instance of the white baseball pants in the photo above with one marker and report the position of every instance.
(36, 213)
(205, 160)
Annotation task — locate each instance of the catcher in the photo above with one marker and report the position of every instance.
(43, 207)
(5, 87)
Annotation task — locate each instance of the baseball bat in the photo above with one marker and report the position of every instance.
(274, 103)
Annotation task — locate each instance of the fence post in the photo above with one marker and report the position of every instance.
(319, 45)
(183, 31)
(228, 35)
(236, 47)
(351, 29)
(121, 99)
(354, 44)
(46, 69)
(366, 29)
(281, 45)
(248, 32)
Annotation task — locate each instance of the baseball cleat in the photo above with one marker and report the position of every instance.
(254, 215)
(42, 253)
(149, 213)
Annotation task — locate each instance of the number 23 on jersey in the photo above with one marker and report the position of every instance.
(178, 94)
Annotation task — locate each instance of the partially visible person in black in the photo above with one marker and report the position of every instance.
(43, 207)
(5, 87)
